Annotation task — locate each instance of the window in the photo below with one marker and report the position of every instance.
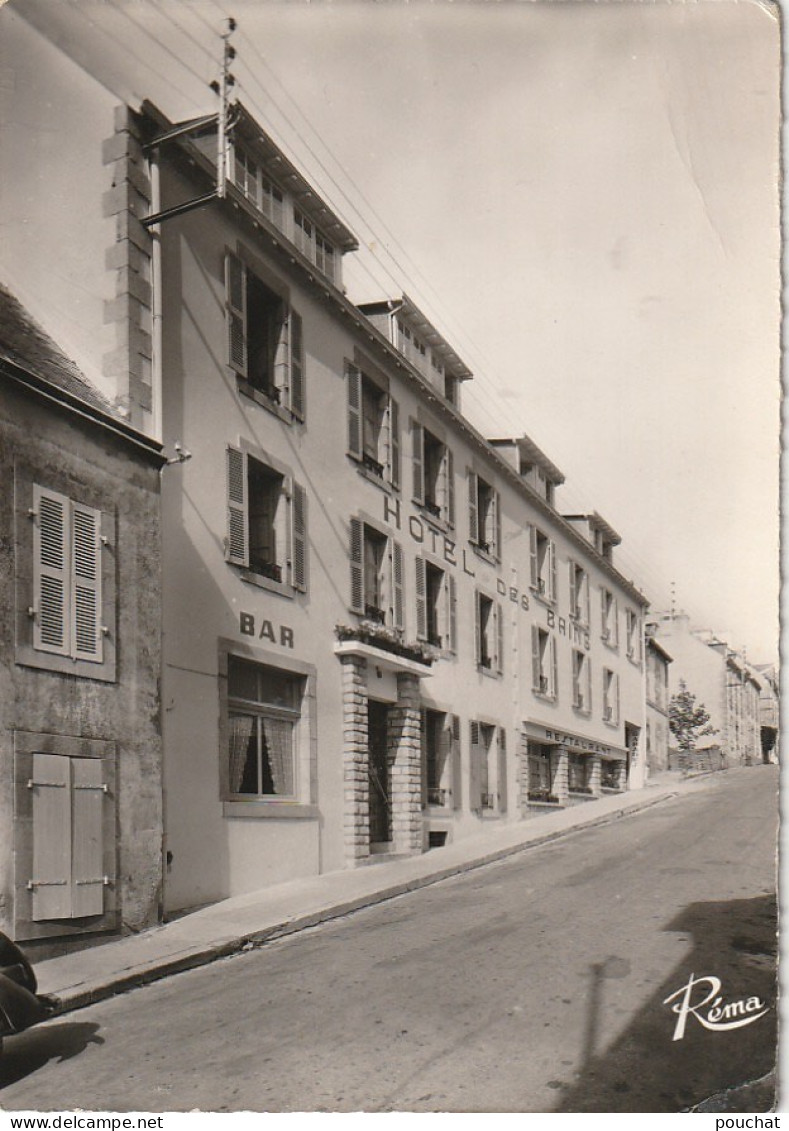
(324, 255)
(436, 605)
(543, 564)
(440, 759)
(540, 784)
(377, 582)
(544, 674)
(582, 682)
(488, 767)
(579, 593)
(610, 774)
(264, 708)
(609, 615)
(265, 346)
(633, 629)
(267, 521)
(373, 427)
(303, 234)
(579, 773)
(256, 187)
(433, 474)
(451, 387)
(484, 516)
(610, 696)
(489, 633)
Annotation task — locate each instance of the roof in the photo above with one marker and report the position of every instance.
(25, 344)
(419, 322)
(530, 453)
(658, 647)
(597, 522)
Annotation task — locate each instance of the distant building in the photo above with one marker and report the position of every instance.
(657, 693)
(769, 710)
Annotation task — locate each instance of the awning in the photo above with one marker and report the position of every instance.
(550, 735)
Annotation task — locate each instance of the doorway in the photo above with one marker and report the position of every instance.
(379, 773)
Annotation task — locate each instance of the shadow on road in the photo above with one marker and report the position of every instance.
(26, 1053)
(645, 1069)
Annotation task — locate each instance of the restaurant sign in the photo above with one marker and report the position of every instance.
(552, 736)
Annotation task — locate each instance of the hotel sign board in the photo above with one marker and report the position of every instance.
(550, 735)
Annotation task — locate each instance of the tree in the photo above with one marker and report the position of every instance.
(688, 721)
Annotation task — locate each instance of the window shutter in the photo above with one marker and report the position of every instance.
(616, 698)
(604, 626)
(608, 687)
(357, 565)
(588, 681)
(423, 751)
(299, 538)
(477, 631)
(535, 568)
(587, 599)
(451, 627)
(398, 607)
(394, 442)
(573, 589)
(449, 487)
(51, 539)
(236, 309)
(87, 862)
(535, 657)
(421, 599)
(497, 526)
(237, 510)
(554, 667)
(296, 365)
(457, 766)
(498, 627)
(51, 785)
(552, 568)
(473, 510)
(86, 583)
(576, 678)
(475, 778)
(615, 630)
(418, 441)
(354, 411)
(502, 770)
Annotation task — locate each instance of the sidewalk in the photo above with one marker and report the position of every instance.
(249, 920)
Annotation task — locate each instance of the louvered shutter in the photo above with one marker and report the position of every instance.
(87, 861)
(418, 462)
(605, 627)
(354, 411)
(552, 570)
(535, 657)
(615, 631)
(554, 667)
(237, 509)
(51, 541)
(236, 309)
(444, 754)
(394, 442)
(497, 526)
(573, 589)
(449, 486)
(299, 537)
(588, 683)
(477, 631)
(473, 509)
(502, 770)
(51, 879)
(475, 778)
(576, 662)
(457, 765)
(398, 595)
(535, 565)
(85, 587)
(616, 697)
(608, 687)
(498, 627)
(296, 365)
(421, 599)
(356, 550)
(587, 598)
(451, 625)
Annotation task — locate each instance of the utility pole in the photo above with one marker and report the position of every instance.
(226, 82)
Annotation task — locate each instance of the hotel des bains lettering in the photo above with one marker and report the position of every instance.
(380, 635)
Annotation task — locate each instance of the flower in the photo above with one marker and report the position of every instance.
(386, 638)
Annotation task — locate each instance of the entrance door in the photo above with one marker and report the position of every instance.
(378, 771)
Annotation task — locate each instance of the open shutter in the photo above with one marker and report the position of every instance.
(535, 657)
(615, 624)
(457, 766)
(356, 551)
(236, 308)
(605, 626)
(354, 412)
(587, 598)
(51, 539)
(573, 589)
(296, 365)
(418, 462)
(421, 599)
(502, 770)
(298, 539)
(86, 583)
(588, 683)
(394, 442)
(497, 526)
(535, 567)
(477, 631)
(449, 486)
(554, 688)
(498, 628)
(237, 509)
(475, 778)
(616, 697)
(398, 605)
(51, 879)
(576, 678)
(87, 863)
(473, 509)
(552, 570)
(451, 618)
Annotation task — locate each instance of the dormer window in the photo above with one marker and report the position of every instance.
(303, 232)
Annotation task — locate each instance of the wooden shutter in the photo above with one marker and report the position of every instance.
(502, 770)
(449, 486)
(535, 565)
(421, 598)
(477, 630)
(87, 825)
(237, 508)
(451, 619)
(398, 604)
(457, 766)
(473, 509)
(394, 442)
(354, 411)
(51, 879)
(475, 778)
(616, 698)
(296, 365)
(588, 682)
(298, 537)
(497, 526)
(418, 461)
(498, 635)
(576, 662)
(85, 587)
(236, 310)
(573, 589)
(356, 551)
(604, 625)
(552, 570)
(535, 657)
(587, 598)
(554, 686)
(615, 630)
(51, 540)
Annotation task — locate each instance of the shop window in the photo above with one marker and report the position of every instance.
(610, 697)
(264, 709)
(609, 616)
(484, 516)
(267, 521)
(579, 593)
(433, 475)
(265, 346)
(489, 632)
(540, 784)
(544, 670)
(436, 605)
(377, 581)
(579, 773)
(373, 427)
(543, 564)
(610, 774)
(582, 682)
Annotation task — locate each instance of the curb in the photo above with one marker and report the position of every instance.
(205, 955)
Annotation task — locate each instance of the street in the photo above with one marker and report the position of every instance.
(534, 984)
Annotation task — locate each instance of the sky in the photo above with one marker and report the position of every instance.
(583, 197)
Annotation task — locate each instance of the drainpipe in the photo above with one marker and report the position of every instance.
(156, 306)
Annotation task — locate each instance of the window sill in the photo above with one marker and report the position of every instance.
(438, 521)
(612, 724)
(278, 410)
(544, 696)
(491, 673)
(257, 808)
(611, 645)
(581, 795)
(543, 598)
(484, 555)
(584, 712)
(545, 805)
(267, 583)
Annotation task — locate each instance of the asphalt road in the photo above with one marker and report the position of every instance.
(535, 984)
